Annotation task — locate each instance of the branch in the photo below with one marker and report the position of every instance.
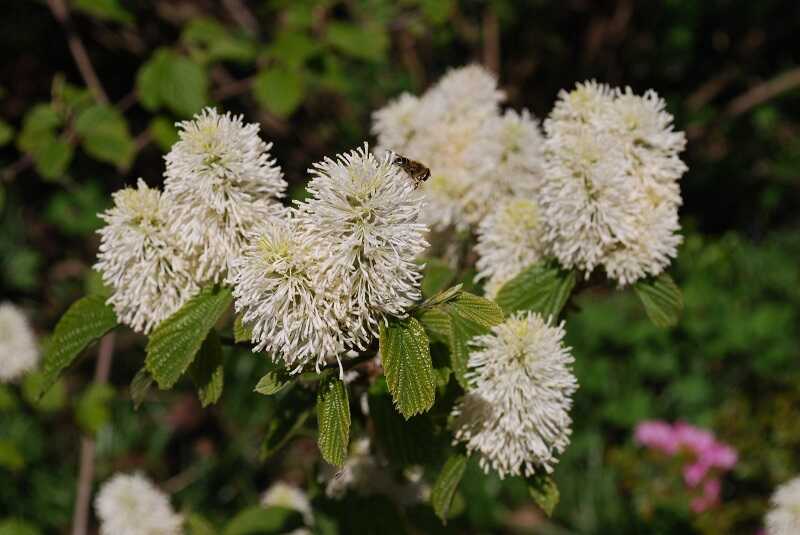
(80, 518)
(491, 41)
(243, 16)
(79, 54)
(763, 92)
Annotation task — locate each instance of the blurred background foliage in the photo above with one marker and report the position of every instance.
(89, 94)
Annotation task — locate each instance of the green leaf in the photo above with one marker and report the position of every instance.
(14, 526)
(273, 381)
(6, 133)
(172, 80)
(406, 356)
(263, 520)
(241, 332)
(542, 288)
(39, 124)
(662, 299)
(294, 407)
(333, 419)
(441, 297)
(104, 10)
(174, 344)
(207, 371)
(279, 90)
(11, 457)
(84, 322)
(105, 135)
(52, 157)
(368, 42)
(54, 400)
(470, 316)
(544, 492)
(140, 385)
(92, 411)
(164, 132)
(446, 484)
(476, 309)
(198, 525)
(292, 48)
(436, 277)
(436, 323)
(210, 41)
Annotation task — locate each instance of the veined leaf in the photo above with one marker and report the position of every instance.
(544, 492)
(84, 322)
(258, 520)
(333, 419)
(207, 371)
(542, 288)
(174, 344)
(241, 332)
(662, 299)
(406, 356)
(446, 484)
(140, 385)
(273, 381)
(436, 323)
(470, 316)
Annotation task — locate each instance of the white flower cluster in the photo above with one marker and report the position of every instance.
(157, 249)
(321, 279)
(141, 260)
(132, 505)
(515, 415)
(611, 193)
(281, 494)
(18, 351)
(477, 156)
(784, 517)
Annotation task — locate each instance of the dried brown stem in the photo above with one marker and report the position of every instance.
(765, 91)
(80, 517)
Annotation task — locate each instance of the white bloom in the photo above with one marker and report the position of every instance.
(611, 197)
(515, 415)
(365, 211)
(784, 517)
(281, 494)
(18, 351)
(140, 260)
(278, 285)
(132, 505)
(222, 181)
(454, 129)
(509, 241)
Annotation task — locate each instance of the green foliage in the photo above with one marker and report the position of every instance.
(543, 288)
(105, 135)
(84, 322)
(333, 420)
(279, 90)
(661, 298)
(544, 492)
(368, 42)
(172, 81)
(110, 10)
(241, 333)
(436, 277)
(446, 484)
(173, 345)
(209, 41)
(273, 381)
(6, 135)
(263, 521)
(293, 408)
(140, 386)
(206, 370)
(92, 411)
(40, 139)
(406, 357)
(17, 527)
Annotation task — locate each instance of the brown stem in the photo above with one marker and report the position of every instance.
(491, 41)
(765, 91)
(80, 518)
(243, 16)
(79, 54)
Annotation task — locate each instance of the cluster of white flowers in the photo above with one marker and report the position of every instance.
(477, 156)
(132, 505)
(611, 194)
(515, 415)
(784, 517)
(281, 494)
(140, 259)
(222, 181)
(18, 351)
(321, 279)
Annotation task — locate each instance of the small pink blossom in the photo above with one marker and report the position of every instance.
(657, 435)
(709, 498)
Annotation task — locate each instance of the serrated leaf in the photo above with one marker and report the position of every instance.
(662, 299)
(436, 323)
(140, 385)
(542, 288)
(105, 135)
(477, 309)
(446, 484)
(406, 357)
(441, 297)
(85, 321)
(544, 492)
(263, 520)
(174, 344)
(241, 332)
(470, 316)
(333, 419)
(207, 372)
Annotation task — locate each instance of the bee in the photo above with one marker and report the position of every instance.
(418, 172)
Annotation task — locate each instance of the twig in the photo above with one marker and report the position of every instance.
(243, 16)
(491, 41)
(80, 518)
(79, 54)
(763, 92)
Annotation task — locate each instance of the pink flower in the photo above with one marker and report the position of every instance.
(709, 498)
(721, 456)
(694, 473)
(657, 435)
(693, 438)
